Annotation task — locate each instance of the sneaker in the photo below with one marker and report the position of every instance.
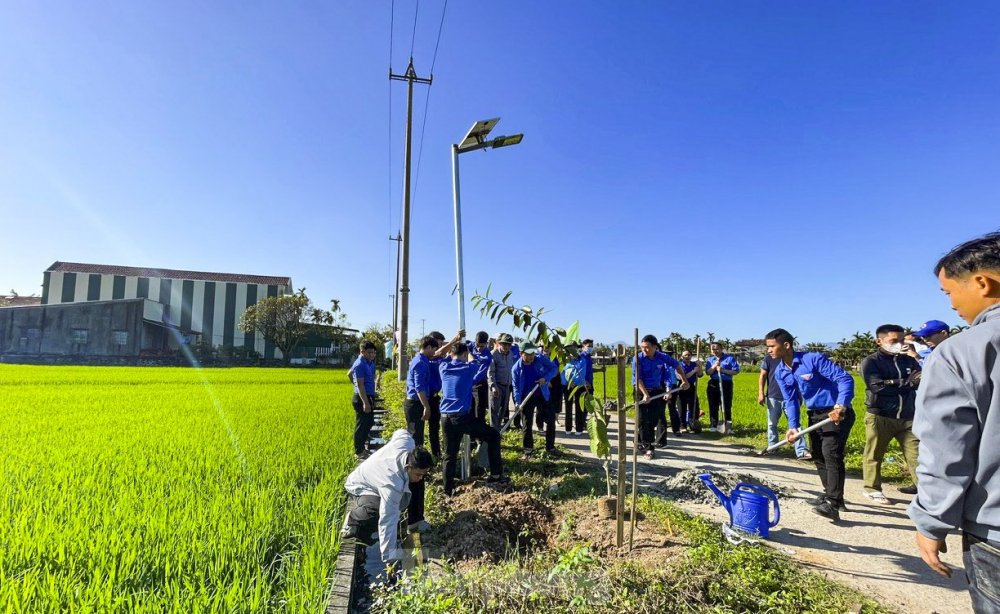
(528, 453)
(552, 451)
(908, 490)
(581, 432)
(713, 429)
(876, 496)
(418, 527)
(498, 479)
(649, 454)
(827, 511)
(806, 457)
(729, 428)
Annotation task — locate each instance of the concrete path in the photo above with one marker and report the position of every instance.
(872, 548)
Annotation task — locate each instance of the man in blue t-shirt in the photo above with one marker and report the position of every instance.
(457, 375)
(769, 394)
(653, 379)
(721, 368)
(362, 374)
(827, 391)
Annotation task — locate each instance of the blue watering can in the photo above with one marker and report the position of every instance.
(747, 506)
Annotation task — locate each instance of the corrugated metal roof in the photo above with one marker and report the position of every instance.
(131, 271)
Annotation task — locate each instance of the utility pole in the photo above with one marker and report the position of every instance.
(422, 321)
(404, 290)
(395, 302)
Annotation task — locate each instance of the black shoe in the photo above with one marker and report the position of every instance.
(908, 490)
(820, 500)
(478, 472)
(498, 479)
(827, 511)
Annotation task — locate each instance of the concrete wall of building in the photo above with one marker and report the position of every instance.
(103, 328)
(207, 307)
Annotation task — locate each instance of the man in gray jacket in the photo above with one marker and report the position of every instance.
(958, 423)
(498, 378)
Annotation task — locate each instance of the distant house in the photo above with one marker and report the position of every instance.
(750, 350)
(98, 302)
(16, 300)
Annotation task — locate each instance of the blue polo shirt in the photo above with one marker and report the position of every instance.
(435, 368)
(690, 372)
(728, 362)
(588, 362)
(653, 371)
(523, 376)
(418, 377)
(366, 369)
(815, 380)
(483, 358)
(456, 386)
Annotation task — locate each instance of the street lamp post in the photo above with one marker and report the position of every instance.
(474, 140)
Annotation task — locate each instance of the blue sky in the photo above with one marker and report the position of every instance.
(725, 167)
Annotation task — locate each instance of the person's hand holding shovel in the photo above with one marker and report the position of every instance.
(791, 435)
(837, 414)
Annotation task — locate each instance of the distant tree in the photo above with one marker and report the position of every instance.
(281, 320)
(815, 346)
(850, 352)
(378, 334)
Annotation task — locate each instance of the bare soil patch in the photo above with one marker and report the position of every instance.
(687, 486)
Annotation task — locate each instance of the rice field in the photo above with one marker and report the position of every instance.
(126, 489)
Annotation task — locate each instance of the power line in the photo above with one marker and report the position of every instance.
(413, 38)
(438, 43)
(427, 101)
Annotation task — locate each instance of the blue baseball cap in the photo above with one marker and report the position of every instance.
(931, 327)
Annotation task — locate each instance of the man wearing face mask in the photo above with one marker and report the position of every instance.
(891, 380)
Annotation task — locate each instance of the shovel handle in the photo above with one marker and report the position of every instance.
(819, 424)
(520, 408)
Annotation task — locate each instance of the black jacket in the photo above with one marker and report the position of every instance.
(890, 384)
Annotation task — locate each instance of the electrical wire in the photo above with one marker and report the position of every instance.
(413, 38)
(427, 99)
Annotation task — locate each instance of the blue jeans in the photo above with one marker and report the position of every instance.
(982, 568)
(775, 409)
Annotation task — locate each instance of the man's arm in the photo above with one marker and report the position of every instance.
(446, 348)
(761, 383)
(491, 374)
(515, 381)
(791, 395)
(947, 424)
(845, 383)
(388, 523)
(365, 401)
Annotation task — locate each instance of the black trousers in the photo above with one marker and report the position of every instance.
(687, 405)
(434, 425)
(715, 401)
(481, 401)
(414, 411)
(556, 391)
(573, 399)
(363, 422)
(828, 445)
(362, 518)
(538, 407)
(650, 414)
(455, 427)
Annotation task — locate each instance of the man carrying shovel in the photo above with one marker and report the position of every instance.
(532, 369)
(652, 379)
(827, 390)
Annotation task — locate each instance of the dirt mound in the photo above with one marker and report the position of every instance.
(687, 486)
(490, 524)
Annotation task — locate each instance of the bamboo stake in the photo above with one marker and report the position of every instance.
(635, 444)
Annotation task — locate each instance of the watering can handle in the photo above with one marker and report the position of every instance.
(767, 493)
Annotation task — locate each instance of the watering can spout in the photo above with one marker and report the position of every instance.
(707, 479)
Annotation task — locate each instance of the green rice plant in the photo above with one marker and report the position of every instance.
(157, 489)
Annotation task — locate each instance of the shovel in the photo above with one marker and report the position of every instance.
(801, 433)
(520, 408)
(651, 399)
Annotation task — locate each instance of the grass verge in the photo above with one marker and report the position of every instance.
(702, 573)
